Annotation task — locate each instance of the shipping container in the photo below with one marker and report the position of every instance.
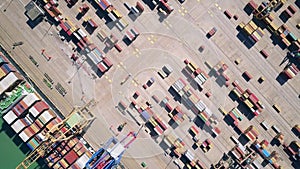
(18, 126)
(3, 59)
(228, 14)
(274, 127)
(10, 81)
(252, 5)
(247, 75)
(235, 140)
(139, 6)
(107, 62)
(276, 108)
(92, 23)
(102, 67)
(264, 53)
(248, 29)
(2, 74)
(71, 157)
(38, 108)
(129, 35)
(168, 7)
(10, 117)
(7, 68)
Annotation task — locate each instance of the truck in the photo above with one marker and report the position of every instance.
(211, 32)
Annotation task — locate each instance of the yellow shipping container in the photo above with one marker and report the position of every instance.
(267, 20)
(242, 25)
(153, 122)
(223, 111)
(257, 35)
(248, 103)
(253, 25)
(249, 30)
(245, 95)
(273, 26)
(2, 74)
(64, 163)
(117, 13)
(190, 68)
(286, 41)
(193, 65)
(236, 93)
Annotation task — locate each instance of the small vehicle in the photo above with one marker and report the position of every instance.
(33, 61)
(201, 48)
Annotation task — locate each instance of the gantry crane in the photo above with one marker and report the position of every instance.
(72, 125)
(263, 11)
(110, 154)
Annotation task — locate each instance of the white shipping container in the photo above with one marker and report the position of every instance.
(47, 116)
(81, 33)
(198, 81)
(201, 105)
(24, 136)
(202, 74)
(189, 155)
(175, 87)
(33, 111)
(30, 99)
(201, 78)
(235, 140)
(28, 120)
(18, 126)
(77, 36)
(94, 58)
(10, 117)
(8, 80)
(123, 23)
(180, 84)
(208, 112)
(112, 17)
(82, 161)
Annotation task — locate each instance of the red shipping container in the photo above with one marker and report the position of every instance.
(41, 106)
(107, 62)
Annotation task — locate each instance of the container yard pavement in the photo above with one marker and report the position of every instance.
(167, 42)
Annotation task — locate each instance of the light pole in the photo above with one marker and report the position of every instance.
(4, 10)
